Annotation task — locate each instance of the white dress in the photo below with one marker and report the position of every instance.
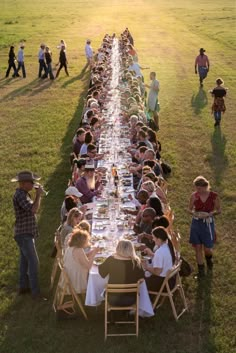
(78, 274)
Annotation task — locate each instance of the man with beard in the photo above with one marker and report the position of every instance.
(88, 185)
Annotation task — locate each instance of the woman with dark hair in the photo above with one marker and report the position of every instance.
(203, 206)
(76, 262)
(62, 61)
(218, 105)
(155, 203)
(163, 259)
(87, 140)
(152, 137)
(11, 62)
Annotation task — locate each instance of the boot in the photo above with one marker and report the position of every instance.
(209, 262)
(201, 272)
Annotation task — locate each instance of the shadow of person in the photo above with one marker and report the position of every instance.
(37, 85)
(199, 101)
(218, 159)
(203, 314)
(83, 75)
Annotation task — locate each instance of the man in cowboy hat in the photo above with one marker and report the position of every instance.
(203, 65)
(26, 230)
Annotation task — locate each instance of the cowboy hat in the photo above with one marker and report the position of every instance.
(26, 175)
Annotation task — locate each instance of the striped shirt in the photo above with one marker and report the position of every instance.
(25, 219)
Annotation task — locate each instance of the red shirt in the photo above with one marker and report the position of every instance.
(208, 205)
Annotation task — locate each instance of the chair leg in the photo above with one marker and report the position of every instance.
(173, 307)
(54, 272)
(105, 321)
(80, 305)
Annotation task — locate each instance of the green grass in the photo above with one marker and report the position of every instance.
(37, 123)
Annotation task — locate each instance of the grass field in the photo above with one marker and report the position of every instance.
(37, 123)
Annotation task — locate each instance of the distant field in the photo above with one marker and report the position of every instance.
(37, 123)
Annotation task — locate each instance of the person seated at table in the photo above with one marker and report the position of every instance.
(124, 267)
(77, 169)
(80, 136)
(73, 218)
(144, 228)
(87, 140)
(163, 259)
(87, 185)
(76, 262)
(72, 199)
(160, 193)
(155, 203)
(84, 225)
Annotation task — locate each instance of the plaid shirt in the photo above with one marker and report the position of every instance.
(25, 219)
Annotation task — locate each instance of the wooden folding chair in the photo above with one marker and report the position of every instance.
(170, 215)
(65, 288)
(122, 289)
(163, 185)
(175, 239)
(165, 291)
(59, 256)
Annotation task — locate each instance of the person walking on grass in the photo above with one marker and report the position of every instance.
(21, 63)
(42, 65)
(203, 206)
(202, 65)
(11, 62)
(48, 58)
(26, 231)
(218, 105)
(62, 61)
(152, 103)
(89, 53)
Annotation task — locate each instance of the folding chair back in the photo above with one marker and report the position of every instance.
(65, 288)
(165, 291)
(59, 256)
(123, 289)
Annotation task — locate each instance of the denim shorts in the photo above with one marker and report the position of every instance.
(202, 232)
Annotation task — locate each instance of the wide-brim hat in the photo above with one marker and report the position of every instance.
(26, 175)
(202, 49)
(89, 166)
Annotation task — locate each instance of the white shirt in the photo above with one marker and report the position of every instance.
(136, 68)
(41, 54)
(88, 51)
(162, 259)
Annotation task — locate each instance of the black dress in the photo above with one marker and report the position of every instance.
(121, 272)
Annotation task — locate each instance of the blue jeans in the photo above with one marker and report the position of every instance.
(21, 65)
(28, 263)
(217, 116)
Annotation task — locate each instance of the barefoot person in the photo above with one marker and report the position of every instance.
(26, 231)
(203, 206)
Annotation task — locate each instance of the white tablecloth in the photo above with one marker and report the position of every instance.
(95, 290)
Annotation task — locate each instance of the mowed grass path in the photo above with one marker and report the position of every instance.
(37, 123)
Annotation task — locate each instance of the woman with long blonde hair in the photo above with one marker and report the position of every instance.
(123, 267)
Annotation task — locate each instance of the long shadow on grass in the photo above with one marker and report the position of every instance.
(32, 88)
(39, 317)
(203, 311)
(199, 101)
(218, 160)
(81, 76)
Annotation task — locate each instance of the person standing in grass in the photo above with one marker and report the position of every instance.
(152, 103)
(203, 206)
(48, 58)
(89, 53)
(21, 63)
(202, 65)
(11, 62)
(62, 61)
(26, 231)
(218, 105)
(42, 65)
